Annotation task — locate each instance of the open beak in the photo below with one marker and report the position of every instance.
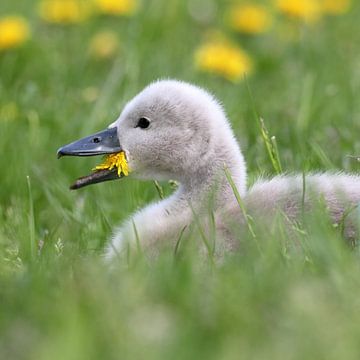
(101, 143)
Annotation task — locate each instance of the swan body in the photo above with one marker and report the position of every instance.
(189, 139)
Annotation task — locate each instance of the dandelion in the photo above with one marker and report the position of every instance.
(14, 31)
(335, 7)
(64, 11)
(9, 112)
(104, 45)
(224, 59)
(113, 161)
(117, 7)
(306, 10)
(251, 19)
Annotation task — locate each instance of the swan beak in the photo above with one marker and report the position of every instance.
(101, 143)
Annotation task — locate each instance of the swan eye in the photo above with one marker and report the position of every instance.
(143, 123)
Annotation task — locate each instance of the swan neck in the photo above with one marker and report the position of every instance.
(210, 186)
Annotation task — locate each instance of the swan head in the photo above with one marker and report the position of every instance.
(167, 131)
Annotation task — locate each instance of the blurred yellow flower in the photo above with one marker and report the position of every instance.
(335, 7)
(9, 112)
(252, 19)
(306, 10)
(14, 31)
(64, 11)
(104, 45)
(117, 7)
(224, 59)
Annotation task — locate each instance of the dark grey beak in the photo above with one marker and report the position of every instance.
(101, 143)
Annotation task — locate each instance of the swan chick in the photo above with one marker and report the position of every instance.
(173, 130)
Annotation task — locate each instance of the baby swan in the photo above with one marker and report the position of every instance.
(174, 130)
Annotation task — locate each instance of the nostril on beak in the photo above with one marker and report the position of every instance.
(96, 140)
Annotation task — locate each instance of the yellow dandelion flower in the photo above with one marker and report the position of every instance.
(104, 45)
(306, 10)
(64, 11)
(251, 19)
(113, 161)
(335, 7)
(14, 31)
(9, 112)
(117, 7)
(223, 59)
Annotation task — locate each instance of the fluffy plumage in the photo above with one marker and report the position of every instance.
(190, 140)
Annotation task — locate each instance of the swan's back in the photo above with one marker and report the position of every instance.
(340, 193)
(289, 197)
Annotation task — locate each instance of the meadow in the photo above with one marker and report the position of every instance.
(67, 72)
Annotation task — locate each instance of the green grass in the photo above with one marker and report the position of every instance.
(273, 300)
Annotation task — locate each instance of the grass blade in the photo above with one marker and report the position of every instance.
(270, 142)
(31, 219)
(202, 235)
(271, 147)
(159, 189)
(241, 204)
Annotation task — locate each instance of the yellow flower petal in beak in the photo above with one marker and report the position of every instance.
(117, 161)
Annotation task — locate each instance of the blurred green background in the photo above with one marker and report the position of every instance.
(66, 70)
